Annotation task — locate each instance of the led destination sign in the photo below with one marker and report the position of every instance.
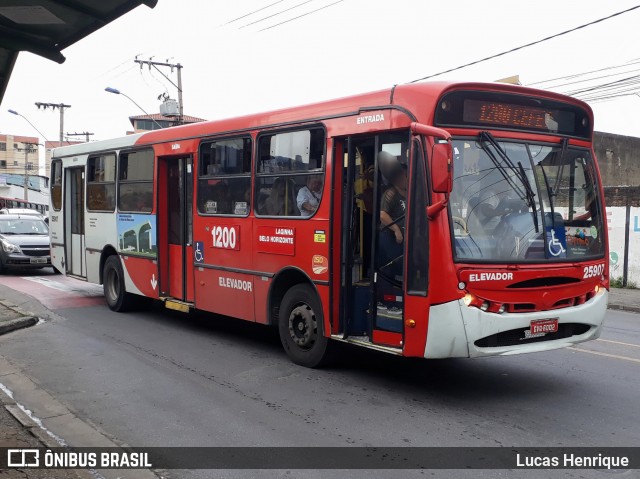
(507, 111)
(515, 116)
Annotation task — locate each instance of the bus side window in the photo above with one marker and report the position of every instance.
(135, 192)
(56, 184)
(290, 173)
(224, 177)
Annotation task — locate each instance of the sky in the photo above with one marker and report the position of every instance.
(233, 66)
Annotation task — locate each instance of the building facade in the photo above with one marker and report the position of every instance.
(19, 154)
(157, 121)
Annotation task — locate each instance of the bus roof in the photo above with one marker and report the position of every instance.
(93, 146)
(418, 98)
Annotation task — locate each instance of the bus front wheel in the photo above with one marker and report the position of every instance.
(114, 289)
(300, 325)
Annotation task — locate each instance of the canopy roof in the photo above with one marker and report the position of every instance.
(46, 27)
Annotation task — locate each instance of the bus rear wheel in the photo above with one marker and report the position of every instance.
(114, 289)
(300, 325)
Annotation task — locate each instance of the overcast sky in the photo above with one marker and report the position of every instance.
(349, 47)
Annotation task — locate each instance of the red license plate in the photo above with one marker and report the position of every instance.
(543, 326)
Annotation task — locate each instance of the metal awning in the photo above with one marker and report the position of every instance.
(46, 27)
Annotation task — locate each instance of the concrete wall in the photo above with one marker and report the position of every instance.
(618, 158)
(619, 161)
(616, 222)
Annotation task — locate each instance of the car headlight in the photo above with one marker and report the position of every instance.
(10, 247)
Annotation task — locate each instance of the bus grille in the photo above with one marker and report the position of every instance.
(514, 337)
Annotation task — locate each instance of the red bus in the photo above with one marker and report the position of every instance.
(13, 203)
(433, 220)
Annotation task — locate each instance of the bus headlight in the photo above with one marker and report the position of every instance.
(468, 299)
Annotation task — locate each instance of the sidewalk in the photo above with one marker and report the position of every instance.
(17, 429)
(625, 299)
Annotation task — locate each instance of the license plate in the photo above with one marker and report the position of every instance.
(38, 260)
(543, 326)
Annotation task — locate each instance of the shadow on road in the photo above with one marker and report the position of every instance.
(415, 379)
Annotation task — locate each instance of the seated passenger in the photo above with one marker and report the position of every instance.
(309, 196)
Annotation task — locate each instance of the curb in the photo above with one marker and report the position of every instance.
(626, 308)
(25, 319)
(55, 426)
(19, 323)
(30, 425)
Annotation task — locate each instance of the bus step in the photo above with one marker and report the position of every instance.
(366, 342)
(177, 305)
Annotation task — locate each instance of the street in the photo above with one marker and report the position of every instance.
(160, 378)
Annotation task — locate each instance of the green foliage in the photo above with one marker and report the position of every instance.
(617, 283)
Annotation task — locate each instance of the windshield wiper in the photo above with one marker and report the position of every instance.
(486, 136)
(550, 194)
(519, 172)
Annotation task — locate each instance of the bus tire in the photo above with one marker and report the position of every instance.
(114, 289)
(300, 324)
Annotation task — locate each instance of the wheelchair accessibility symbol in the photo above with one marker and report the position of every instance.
(198, 252)
(555, 246)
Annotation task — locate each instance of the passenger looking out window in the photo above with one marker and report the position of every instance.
(309, 196)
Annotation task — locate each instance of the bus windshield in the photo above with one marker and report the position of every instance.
(514, 201)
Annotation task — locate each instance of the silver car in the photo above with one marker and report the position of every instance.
(24, 242)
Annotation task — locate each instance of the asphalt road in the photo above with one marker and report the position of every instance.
(159, 378)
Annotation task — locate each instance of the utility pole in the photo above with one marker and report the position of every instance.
(86, 134)
(178, 67)
(27, 149)
(53, 106)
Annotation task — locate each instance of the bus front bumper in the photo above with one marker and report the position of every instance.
(457, 330)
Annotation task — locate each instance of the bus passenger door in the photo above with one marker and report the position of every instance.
(74, 222)
(175, 215)
(385, 241)
(372, 260)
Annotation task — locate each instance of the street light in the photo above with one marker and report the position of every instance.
(27, 150)
(118, 92)
(13, 112)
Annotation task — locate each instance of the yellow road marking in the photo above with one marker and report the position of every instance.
(624, 358)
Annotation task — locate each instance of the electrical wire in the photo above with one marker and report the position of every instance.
(604, 85)
(251, 13)
(528, 44)
(575, 75)
(278, 13)
(589, 79)
(300, 16)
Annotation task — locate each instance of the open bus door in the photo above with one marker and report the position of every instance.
(75, 264)
(372, 258)
(385, 270)
(175, 217)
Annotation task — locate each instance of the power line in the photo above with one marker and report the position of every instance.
(604, 85)
(278, 13)
(300, 16)
(575, 75)
(618, 90)
(561, 85)
(528, 44)
(251, 13)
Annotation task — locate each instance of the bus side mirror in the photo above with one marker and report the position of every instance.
(442, 167)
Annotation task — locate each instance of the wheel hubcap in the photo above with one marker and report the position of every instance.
(303, 326)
